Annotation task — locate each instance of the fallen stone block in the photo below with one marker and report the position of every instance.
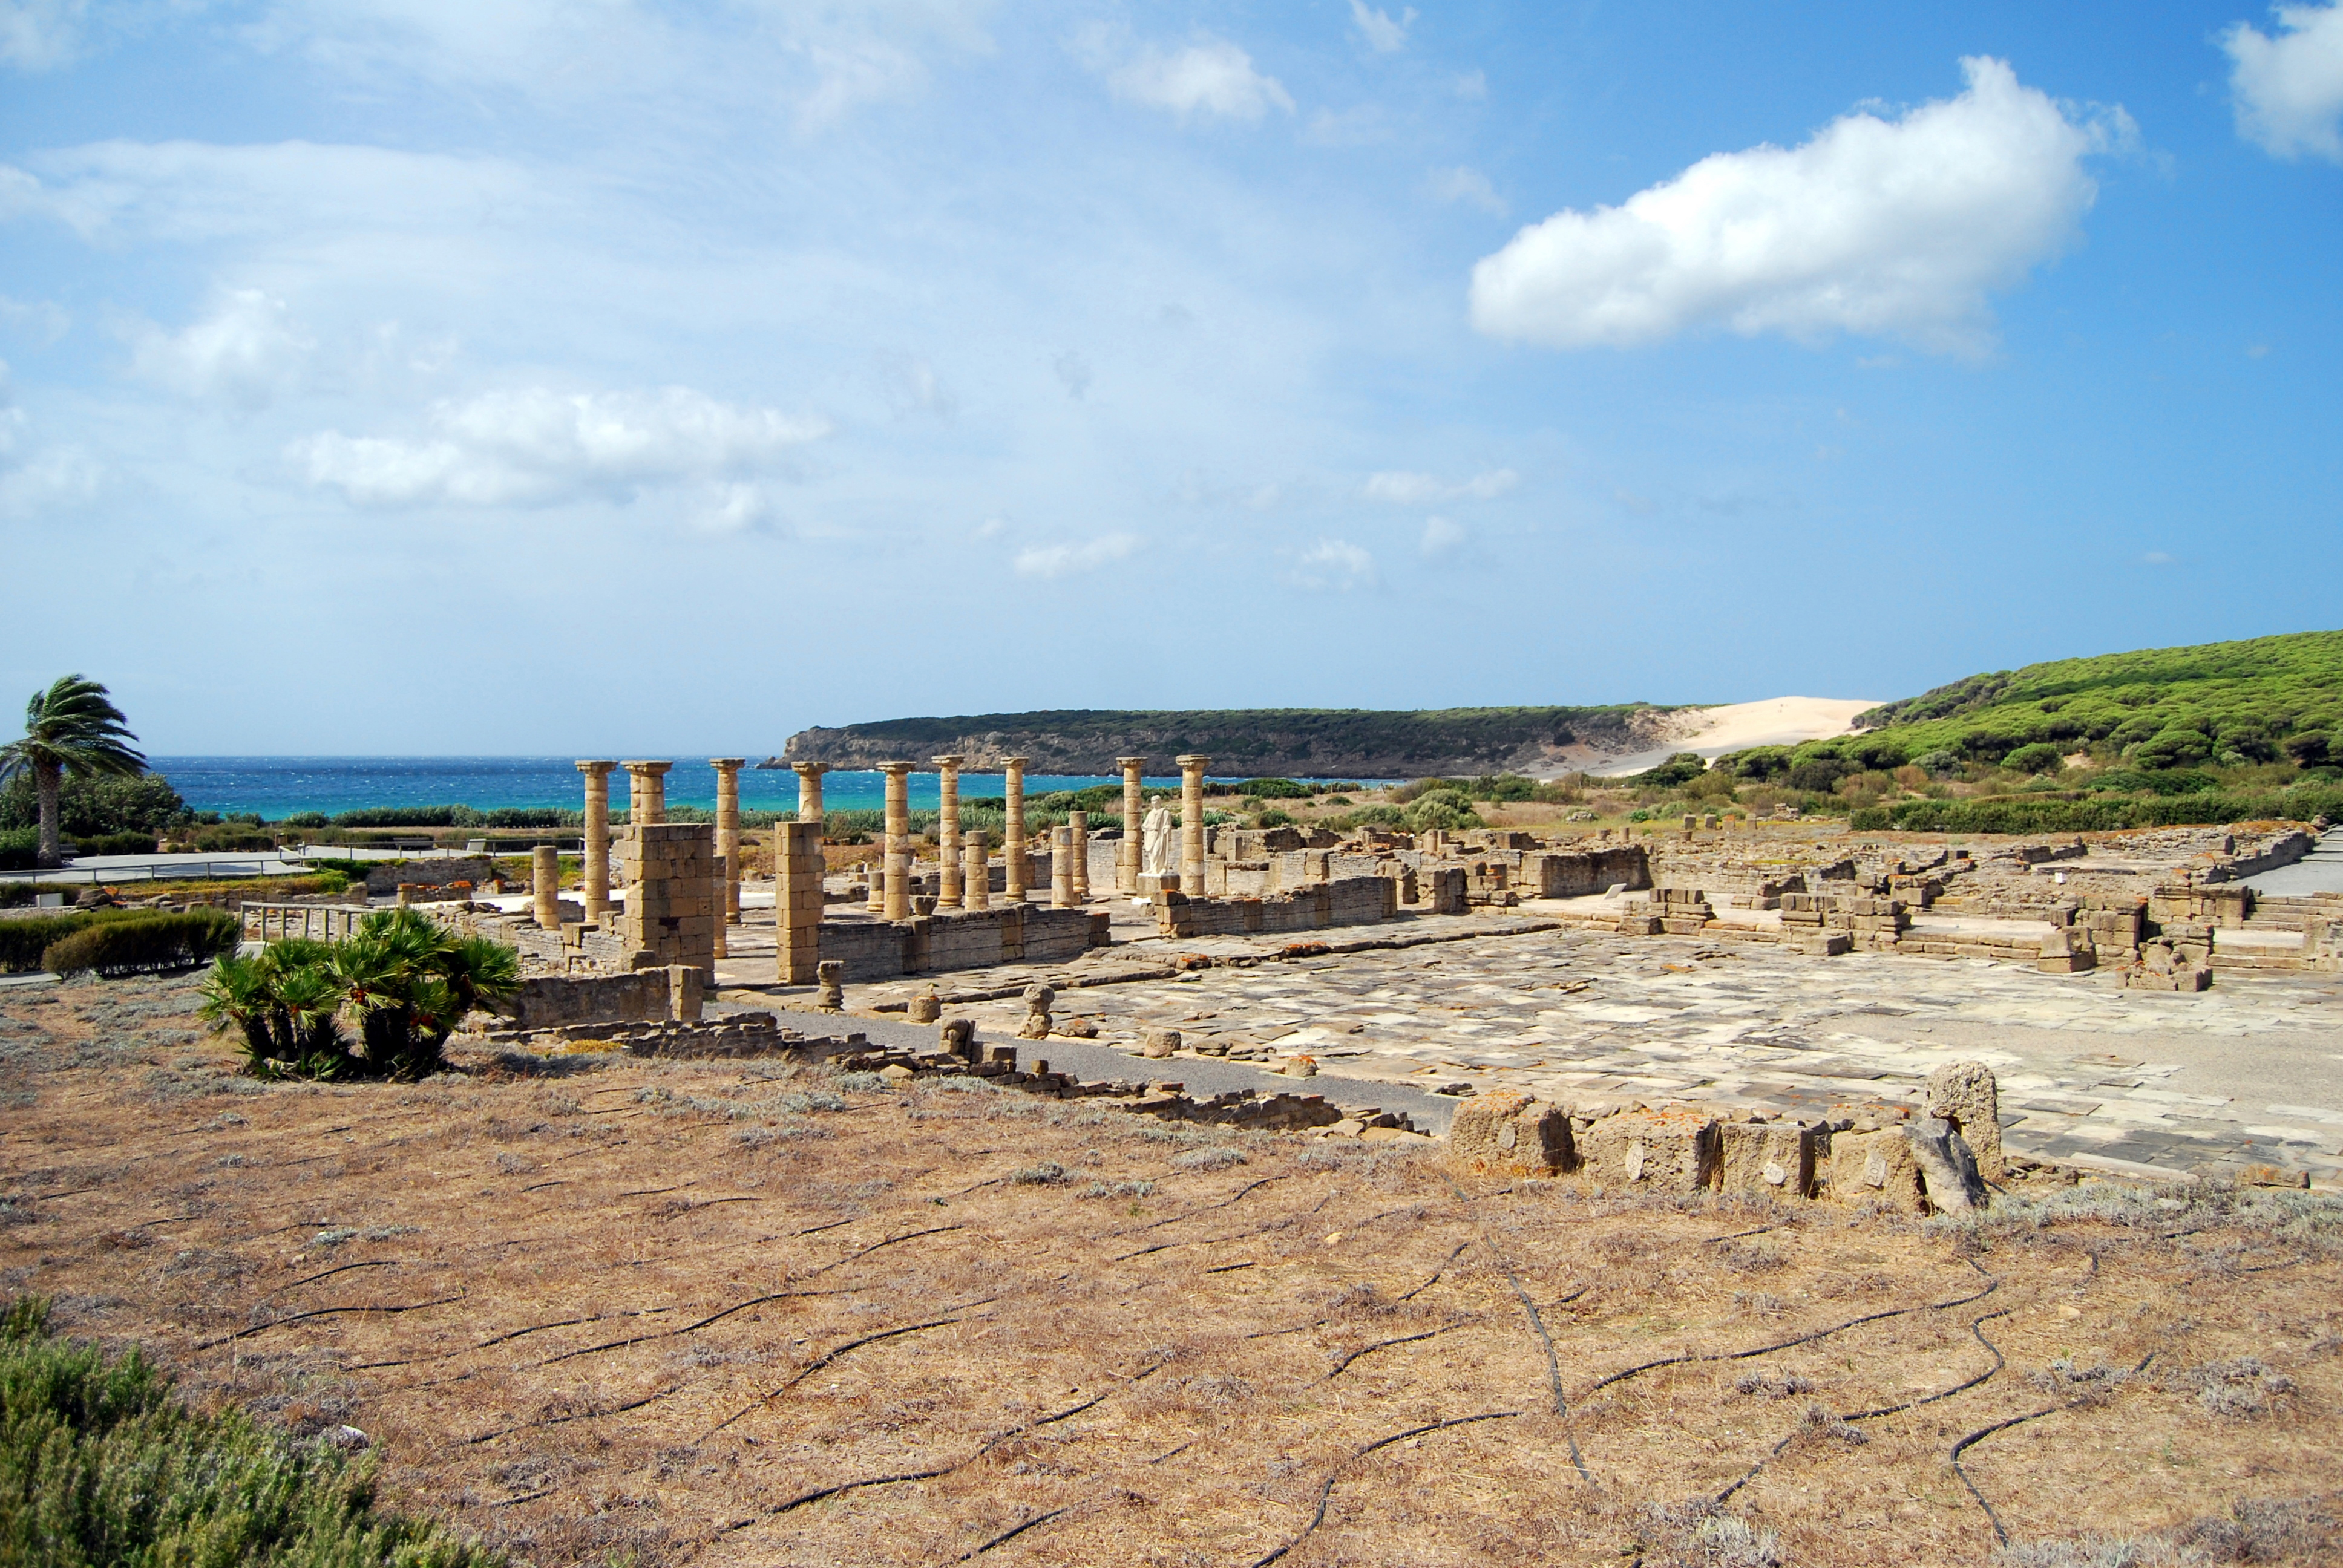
(1506, 1132)
(1949, 1172)
(1670, 1150)
(1874, 1165)
(1766, 1159)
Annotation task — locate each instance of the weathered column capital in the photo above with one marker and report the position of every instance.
(596, 768)
(648, 769)
(898, 770)
(1194, 762)
(727, 764)
(1132, 764)
(811, 770)
(952, 761)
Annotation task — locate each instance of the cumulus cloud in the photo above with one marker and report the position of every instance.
(1874, 226)
(37, 481)
(534, 445)
(1442, 536)
(1383, 33)
(1211, 76)
(1083, 555)
(1469, 186)
(2289, 88)
(1333, 566)
(244, 353)
(1403, 488)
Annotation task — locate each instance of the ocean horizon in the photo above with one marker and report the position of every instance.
(279, 787)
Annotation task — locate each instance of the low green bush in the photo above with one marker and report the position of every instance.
(19, 849)
(1273, 817)
(228, 836)
(115, 844)
(1271, 789)
(2051, 814)
(23, 941)
(103, 1463)
(144, 943)
(304, 820)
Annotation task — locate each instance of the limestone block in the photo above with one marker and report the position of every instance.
(1948, 1171)
(1766, 1158)
(684, 983)
(1672, 1149)
(1875, 1166)
(1506, 1132)
(830, 974)
(957, 1037)
(1964, 1094)
(1159, 1042)
(925, 1008)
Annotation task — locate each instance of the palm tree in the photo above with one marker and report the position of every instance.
(71, 727)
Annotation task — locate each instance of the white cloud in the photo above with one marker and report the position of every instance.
(1442, 536)
(1073, 373)
(245, 352)
(1874, 225)
(1466, 185)
(2290, 88)
(1383, 35)
(1211, 77)
(36, 35)
(1407, 489)
(534, 445)
(1335, 566)
(1473, 86)
(1066, 560)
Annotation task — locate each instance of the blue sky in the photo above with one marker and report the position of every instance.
(502, 376)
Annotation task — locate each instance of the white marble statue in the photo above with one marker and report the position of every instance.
(1156, 842)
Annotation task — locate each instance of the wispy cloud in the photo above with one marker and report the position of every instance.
(1384, 34)
(1333, 566)
(1409, 489)
(1082, 556)
(1209, 77)
(1469, 186)
(2287, 85)
(1442, 536)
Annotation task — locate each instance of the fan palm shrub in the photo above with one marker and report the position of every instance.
(408, 983)
(71, 727)
(286, 1004)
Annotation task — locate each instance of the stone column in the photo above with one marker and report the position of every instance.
(727, 835)
(1077, 844)
(797, 899)
(597, 838)
(1062, 868)
(948, 887)
(1012, 848)
(899, 839)
(646, 793)
(1134, 806)
(1191, 824)
(545, 882)
(976, 878)
(809, 789)
(876, 873)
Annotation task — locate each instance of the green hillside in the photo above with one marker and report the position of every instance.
(2256, 701)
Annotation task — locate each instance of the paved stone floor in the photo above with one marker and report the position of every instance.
(2251, 1071)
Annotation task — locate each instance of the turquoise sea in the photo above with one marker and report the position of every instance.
(277, 786)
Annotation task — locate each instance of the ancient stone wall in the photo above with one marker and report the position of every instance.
(1349, 901)
(672, 895)
(961, 939)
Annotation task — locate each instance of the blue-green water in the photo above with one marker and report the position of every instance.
(277, 786)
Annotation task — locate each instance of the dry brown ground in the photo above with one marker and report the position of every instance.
(745, 1313)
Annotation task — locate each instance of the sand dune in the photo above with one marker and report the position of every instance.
(1735, 726)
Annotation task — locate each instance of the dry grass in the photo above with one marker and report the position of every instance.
(744, 1312)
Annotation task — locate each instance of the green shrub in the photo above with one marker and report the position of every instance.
(457, 817)
(2176, 746)
(1273, 817)
(103, 1464)
(87, 807)
(1680, 768)
(304, 820)
(228, 837)
(1938, 764)
(2038, 758)
(19, 894)
(1270, 789)
(1446, 809)
(23, 941)
(19, 849)
(115, 844)
(2022, 814)
(144, 943)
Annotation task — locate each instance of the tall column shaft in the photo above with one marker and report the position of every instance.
(1134, 805)
(1191, 824)
(899, 839)
(1062, 868)
(976, 877)
(1077, 844)
(948, 874)
(809, 789)
(544, 883)
(727, 829)
(797, 900)
(1013, 837)
(597, 838)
